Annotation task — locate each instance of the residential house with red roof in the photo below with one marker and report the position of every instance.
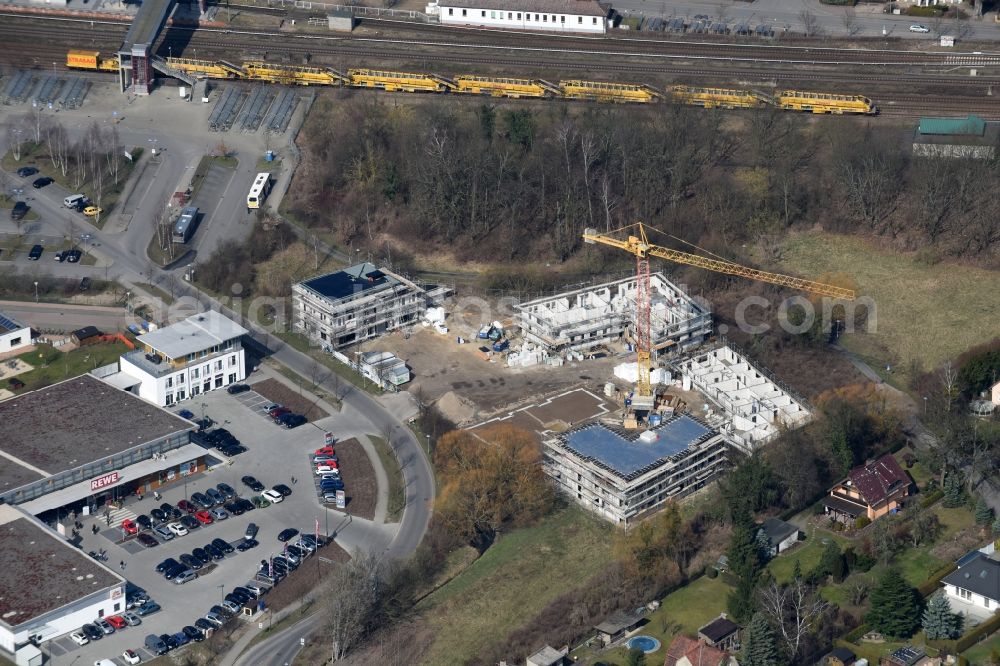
(684, 651)
(873, 490)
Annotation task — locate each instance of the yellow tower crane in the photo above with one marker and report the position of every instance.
(637, 242)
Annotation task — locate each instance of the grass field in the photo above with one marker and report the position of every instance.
(52, 365)
(925, 313)
(514, 580)
(397, 494)
(807, 553)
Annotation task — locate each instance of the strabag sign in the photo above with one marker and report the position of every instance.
(104, 481)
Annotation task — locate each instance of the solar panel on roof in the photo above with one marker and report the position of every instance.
(8, 324)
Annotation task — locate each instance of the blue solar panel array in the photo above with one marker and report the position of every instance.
(8, 324)
(628, 457)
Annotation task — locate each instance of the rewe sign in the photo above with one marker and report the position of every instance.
(104, 481)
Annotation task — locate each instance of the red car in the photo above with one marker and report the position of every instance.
(275, 413)
(325, 451)
(117, 621)
(129, 526)
(204, 517)
(184, 505)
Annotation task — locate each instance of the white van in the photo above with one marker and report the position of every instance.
(74, 200)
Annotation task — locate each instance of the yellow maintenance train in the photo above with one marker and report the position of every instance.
(599, 91)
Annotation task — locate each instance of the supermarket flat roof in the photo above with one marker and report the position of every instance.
(72, 423)
(40, 572)
(624, 453)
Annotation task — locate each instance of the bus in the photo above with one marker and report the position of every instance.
(185, 224)
(259, 190)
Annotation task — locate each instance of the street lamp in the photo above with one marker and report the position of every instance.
(222, 588)
(428, 444)
(36, 291)
(128, 301)
(925, 405)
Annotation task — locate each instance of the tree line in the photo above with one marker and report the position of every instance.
(515, 183)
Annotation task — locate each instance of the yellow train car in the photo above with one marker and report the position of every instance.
(210, 69)
(601, 91)
(398, 81)
(718, 98)
(814, 102)
(91, 60)
(301, 76)
(513, 88)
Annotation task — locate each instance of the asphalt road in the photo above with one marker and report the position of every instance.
(281, 648)
(59, 316)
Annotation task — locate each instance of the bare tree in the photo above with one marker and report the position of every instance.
(37, 122)
(857, 590)
(352, 602)
(792, 609)
(15, 139)
(948, 376)
(115, 154)
(850, 21)
(810, 23)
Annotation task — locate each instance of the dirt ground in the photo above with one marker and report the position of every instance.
(300, 582)
(359, 478)
(440, 365)
(274, 390)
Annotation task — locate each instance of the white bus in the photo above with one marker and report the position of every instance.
(259, 190)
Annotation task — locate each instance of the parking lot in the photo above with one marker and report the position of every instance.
(275, 455)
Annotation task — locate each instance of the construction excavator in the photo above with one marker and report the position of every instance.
(634, 239)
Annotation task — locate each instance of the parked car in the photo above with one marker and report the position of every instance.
(73, 256)
(131, 619)
(290, 420)
(324, 451)
(24, 172)
(19, 210)
(191, 561)
(194, 634)
(185, 577)
(234, 508)
(324, 469)
(203, 624)
(170, 510)
(143, 521)
(164, 532)
(155, 645)
(36, 252)
(916, 27)
(204, 517)
(273, 496)
(178, 529)
(91, 211)
(218, 513)
(187, 506)
(79, 637)
(202, 500)
(227, 490)
(190, 522)
(130, 656)
(286, 534)
(215, 619)
(245, 504)
(233, 389)
(260, 501)
(256, 590)
(305, 545)
(117, 621)
(251, 531)
(247, 544)
(39, 183)
(213, 551)
(174, 572)
(186, 414)
(234, 609)
(129, 527)
(278, 412)
(200, 553)
(147, 608)
(231, 450)
(147, 540)
(104, 626)
(222, 545)
(215, 496)
(252, 483)
(168, 639)
(158, 515)
(92, 632)
(283, 489)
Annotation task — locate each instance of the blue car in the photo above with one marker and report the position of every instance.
(181, 638)
(186, 414)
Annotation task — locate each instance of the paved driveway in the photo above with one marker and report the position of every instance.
(275, 455)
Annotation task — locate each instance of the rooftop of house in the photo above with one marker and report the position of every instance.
(575, 7)
(979, 575)
(778, 530)
(8, 324)
(696, 652)
(877, 479)
(618, 621)
(359, 279)
(194, 334)
(719, 629)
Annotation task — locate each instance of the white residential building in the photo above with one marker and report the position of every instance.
(974, 588)
(13, 334)
(175, 363)
(582, 16)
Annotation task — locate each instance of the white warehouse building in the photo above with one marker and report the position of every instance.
(199, 354)
(581, 16)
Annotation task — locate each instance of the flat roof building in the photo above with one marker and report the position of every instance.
(970, 137)
(605, 314)
(81, 443)
(13, 334)
(622, 474)
(47, 587)
(178, 362)
(582, 16)
(356, 304)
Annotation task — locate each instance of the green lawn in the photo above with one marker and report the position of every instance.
(52, 365)
(807, 553)
(980, 652)
(956, 307)
(397, 494)
(681, 612)
(514, 580)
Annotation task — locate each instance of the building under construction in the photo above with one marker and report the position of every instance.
(621, 475)
(605, 314)
(356, 304)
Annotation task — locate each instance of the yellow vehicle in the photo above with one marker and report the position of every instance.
(90, 60)
(602, 91)
(513, 88)
(718, 98)
(398, 81)
(814, 102)
(91, 211)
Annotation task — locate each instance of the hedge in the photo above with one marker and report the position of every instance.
(933, 584)
(854, 634)
(931, 498)
(849, 3)
(977, 634)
